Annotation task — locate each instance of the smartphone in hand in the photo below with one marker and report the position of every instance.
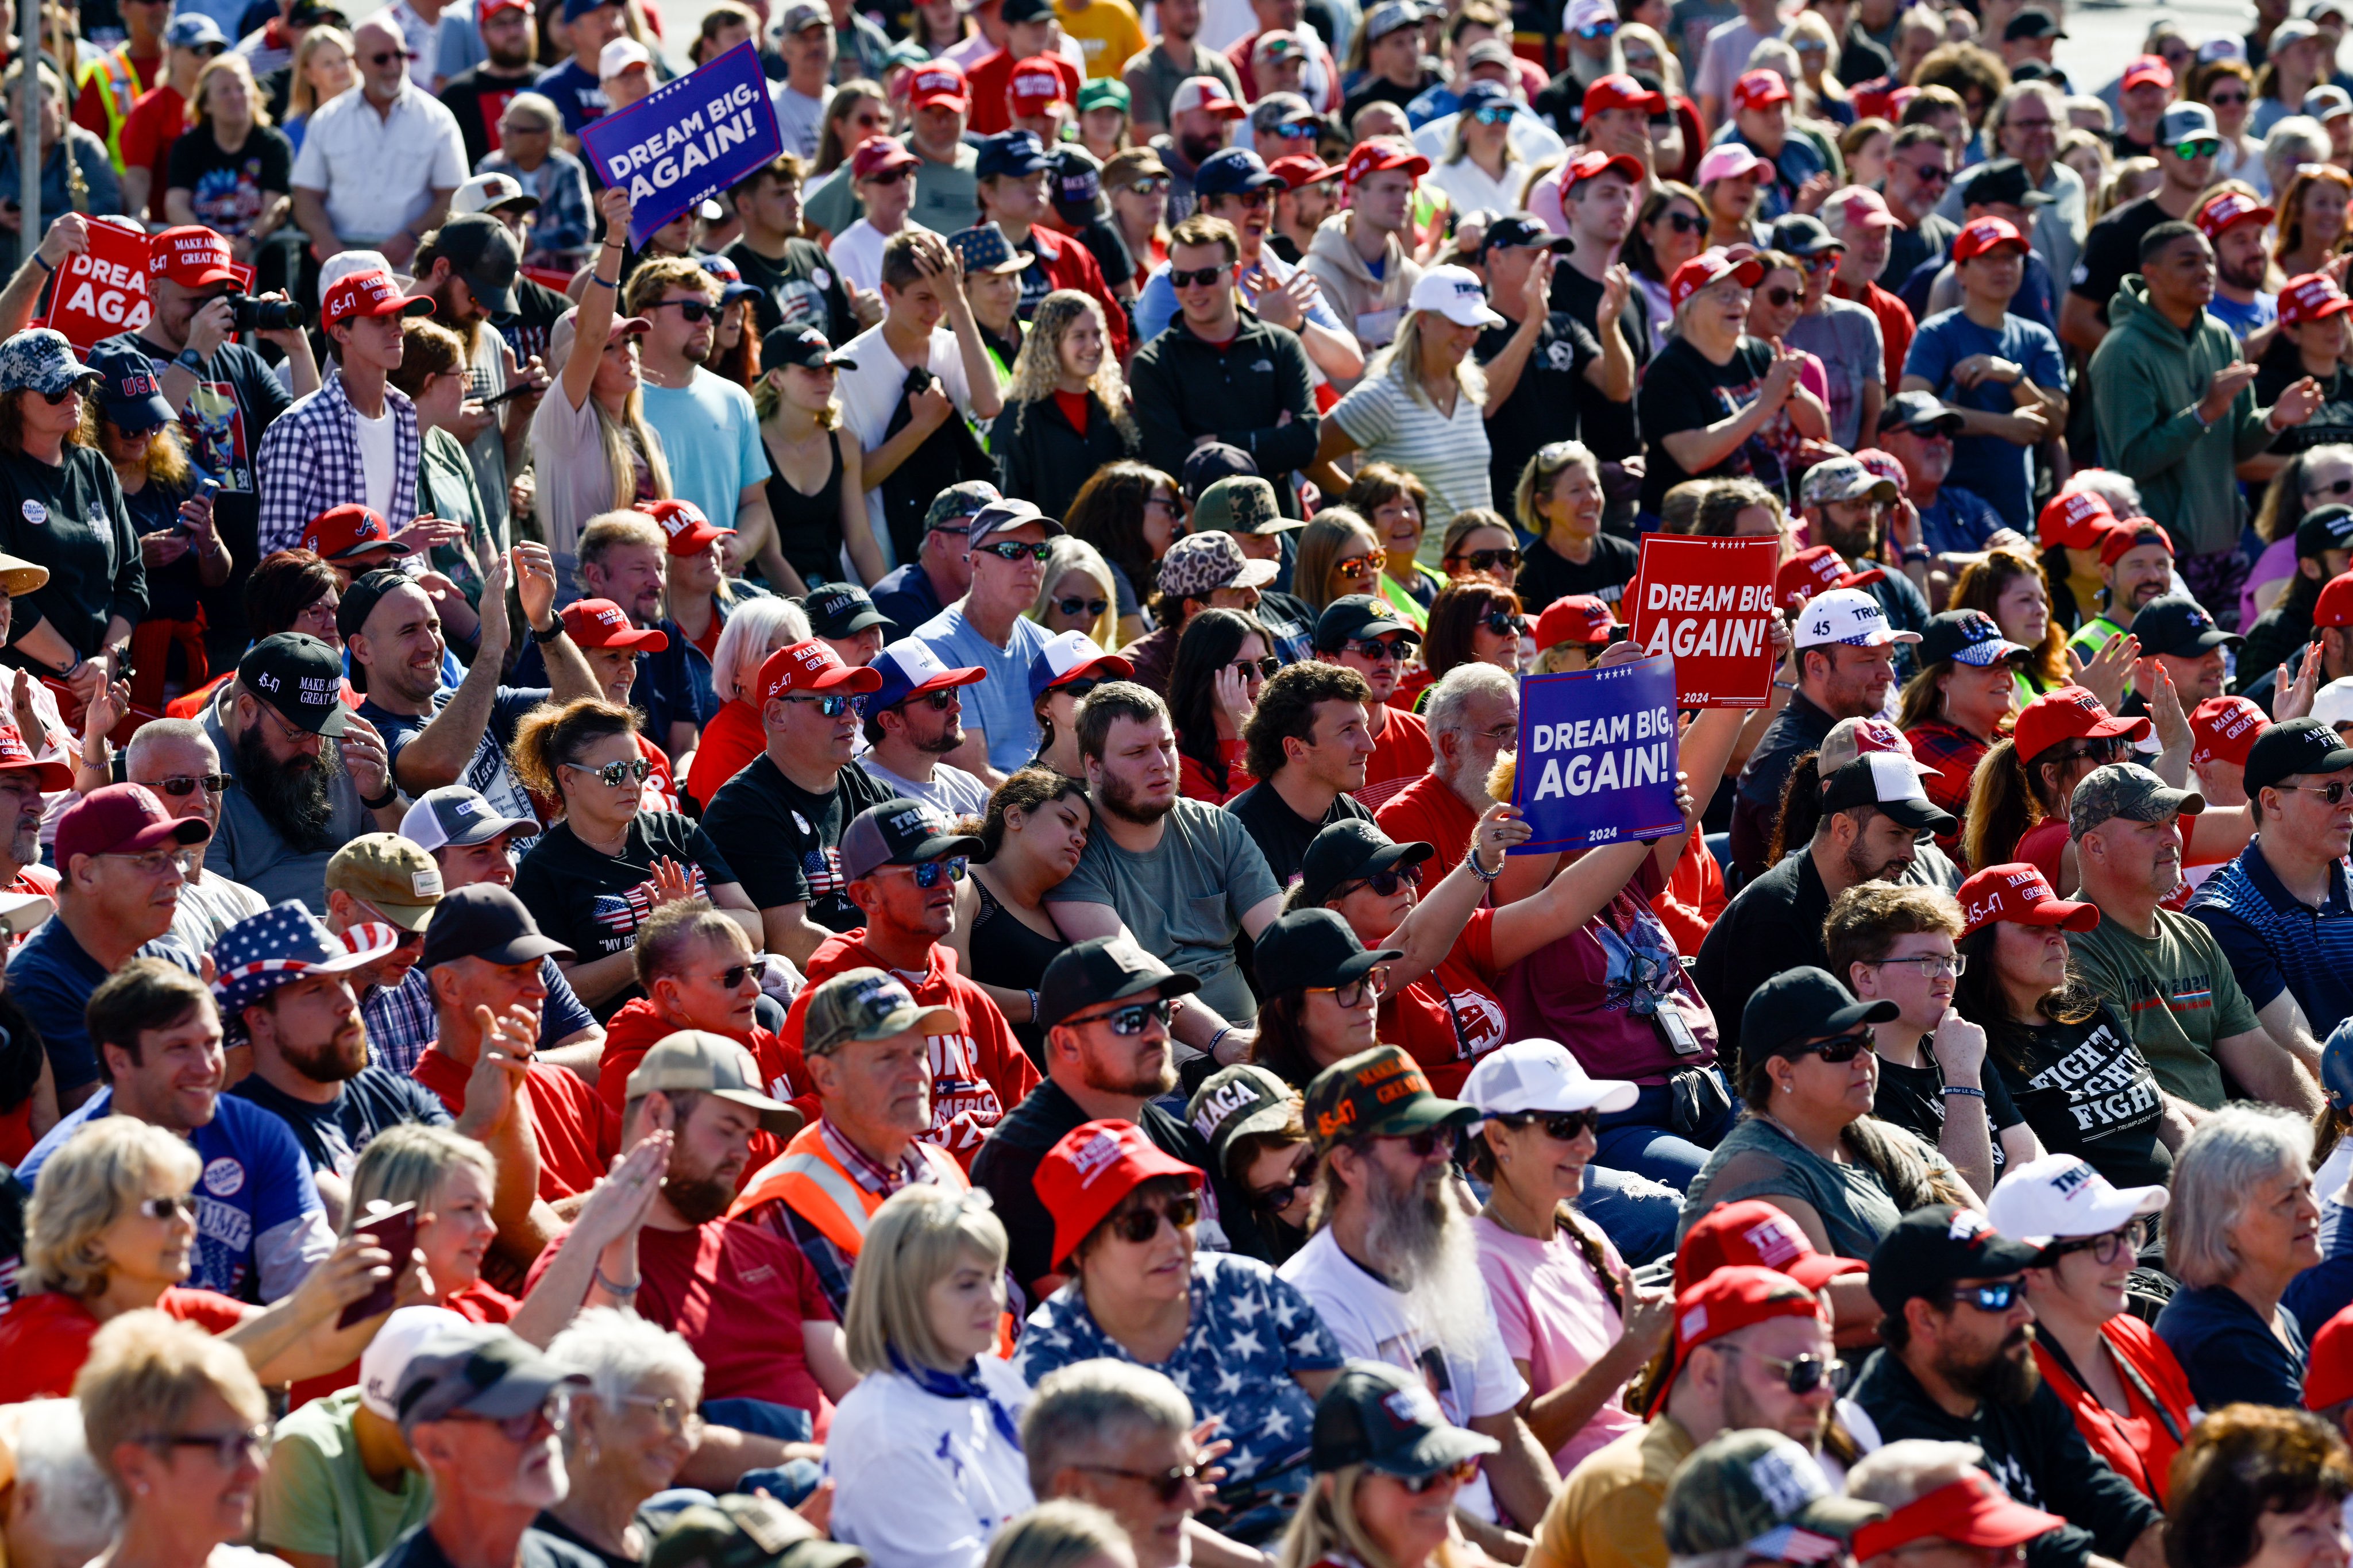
(395, 1230)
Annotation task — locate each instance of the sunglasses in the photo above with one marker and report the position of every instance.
(1130, 1020)
(382, 57)
(615, 775)
(1280, 1195)
(1781, 298)
(1489, 560)
(927, 873)
(1072, 606)
(229, 1448)
(1141, 1224)
(2189, 150)
(937, 701)
(692, 310)
(835, 706)
(1494, 114)
(58, 399)
(1801, 1376)
(1998, 1297)
(1359, 566)
(891, 177)
(1931, 174)
(1149, 187)
(2334, 487)
(1597, 30)
(733, 976)
(1423, 1144)
(1378, 649)
(1844, 1048)
(2235, 100)
(2331, 793)
(1560, 1126)
(2096, 751)
(1076, 690)
(1367, 987)
(1296, 131)
(1013, 549)
(184, 784)
(1684, 223)
(1197, 278)
(169, 1206)
(1503, 624)
(1384, 884)
(1264, 668)
(1460, 1475)
(555, 1410)
(2105, 1249)
(1166, 1484)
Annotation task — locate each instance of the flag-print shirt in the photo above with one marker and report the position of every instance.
(1249, 1334)
(785, 843)
(593, 902)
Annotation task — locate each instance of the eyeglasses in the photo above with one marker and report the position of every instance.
(1489, 560)
(927, 873)
(2331, 793)
(1166, 1484)
(1781, 298)
(1078, 689)
(1384, 884)
(2105, 1249)
(1367, 987)
(383, 57)
(692, 310)
(733, 976)
(1931, 965)
(153, 863)
(1560, 1126)
(1503, 624)
(835, 705)
(1014, 550)
(1998, 1297)
(1264, 668)
(2189, 151)
(1359, 566)
(1141, 1222)
(180, 785)
(1801, 1376)
(1197, 278)
(1378, 649)
(1461, 1474)
(295, 734)
(171, 1206)
(1494, 114)
(1844, 1048)
(1684, 223)
(615, 775)
(1129, 1020)
(1280, 1195)
(1075, 606)
(555, 1410)
(230, 1450)
(677, 1417)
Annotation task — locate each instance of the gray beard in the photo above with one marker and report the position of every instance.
(1427, 1251)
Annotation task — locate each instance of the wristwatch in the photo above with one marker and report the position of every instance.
(553, 633)
(190, 359)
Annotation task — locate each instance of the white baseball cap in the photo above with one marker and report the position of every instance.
(344, 263)
(2060, 1197)
(1455, 293)
(1847, 615)
(387, 1356)
(2333, 703)
(620, 55)
(489, 193)
(1540, 1076)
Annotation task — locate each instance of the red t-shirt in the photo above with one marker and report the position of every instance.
(638, 1026)
(479, 1303)
(1401, 753)
(2136, 1447)
(1427, 811)
(1450, 1017)
(578, 1134)
(44, 1338)
(1695, 896)
(738, 1294)
(730, 742)
(155, 123)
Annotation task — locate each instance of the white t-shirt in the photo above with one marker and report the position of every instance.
(375, 457)
(857, 253)
(870, 391)
(923, 1481)
(1372, 1321)
(800, 119)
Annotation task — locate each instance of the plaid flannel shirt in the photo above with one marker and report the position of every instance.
(561, 183)
(310, 461)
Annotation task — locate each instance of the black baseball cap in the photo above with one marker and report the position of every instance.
(1385, 1419)
(2294, 746)
(1799, 1004)
(1315, 947)
(1889, 781)
(2034, 22)
(488, 923)
(485, 253)
(1520, 228)
(840, 609)
(1802, 234)
(361, 598)
(1347, 849)
(1966, 636)
(2322, 528)
(2003, 180)
(1919, 411)
(299, 676)
(899, 832)
(798, 343)
(1934, 1247)
(1104, 969)
(1353, 616)
(1212, 461)
(2181, 626)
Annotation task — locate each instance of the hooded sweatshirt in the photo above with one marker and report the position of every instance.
(2147, 377)
(1372, 307)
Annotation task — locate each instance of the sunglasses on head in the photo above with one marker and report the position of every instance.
(1014, 550)
(1998, 1297)
(1503, 624)
(1384, 883)
(1141, 1222)
(633, 771)
(1264, 668)
(1197, 277)
(1072, 605)
(1460, 1475)
(927, 873)
(1129, 1018)
(1843, 1048)
(834, 705)
(1488, 560)
(1560, 1126)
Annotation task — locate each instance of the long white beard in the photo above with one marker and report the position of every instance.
(1429, 1252)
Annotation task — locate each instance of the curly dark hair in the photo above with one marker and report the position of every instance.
(1211, 638)
(2244, 1461)
(1028, 789)
(1286, 710)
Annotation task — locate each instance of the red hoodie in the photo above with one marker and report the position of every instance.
(638, 1027)
(978, 1075)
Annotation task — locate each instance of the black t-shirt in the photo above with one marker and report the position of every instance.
(418, 1549)
(278, 90)
(800, 286)
(1861, 60)
(593, 902)
(537, 309)
(1686, 390)
(1542, 402)
(785, 843)
(2113, 249)
(334, 1135)
(171, 590)
(1612, 429)
(1381, 90)
(226, 188)
(2280, 367)
(71, 520)
(1907, 247)
(2086, 1090)
(1561, 105)
(1913, 1099)
(1545, 575)
(1282, 834)
(476, 96)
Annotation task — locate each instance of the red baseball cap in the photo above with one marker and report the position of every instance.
(2226, 209)
(2328, 1370)
(2071, 713)
(1036, 84)
(811, 666)
(1758, 88)
(191, 256)
(122, 819)
(1727, 1300)
(2074, 518)
(1980, 235)
(600, 623)
(490, 8)
(1379, 156)
(1094, 1165)
(17, 757)
(1577, 618)
(1208, 94)
(2335, 606)
(340, 532)
(2224, 729)
(690, 531)
(1586, 165)
(1303, 169)
(2128, 534)
(881, 155)
(369, 293)
(2146, 69)
(1618, 90)
(1753, 1232)
(1711, 267)
(2311, 298)
(939, 82)
(1971, 1512)
(1886, 466)
(1816, 570)
(2017, 892)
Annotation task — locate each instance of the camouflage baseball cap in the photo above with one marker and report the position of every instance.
(2128, 790)
(738, 1532)
(1240, 503)
(867, 1005)
(1761, 1493)
(958, 502)
(41, 360)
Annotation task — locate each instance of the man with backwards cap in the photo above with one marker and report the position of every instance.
(2136, 566)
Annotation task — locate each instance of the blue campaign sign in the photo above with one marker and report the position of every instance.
(688, 139)
(1597, 757)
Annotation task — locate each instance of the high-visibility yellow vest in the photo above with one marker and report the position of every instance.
(119, 88)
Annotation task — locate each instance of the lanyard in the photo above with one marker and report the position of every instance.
(2131, 1374)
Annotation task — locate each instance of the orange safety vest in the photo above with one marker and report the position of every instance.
(820, 1189)
(119, 88)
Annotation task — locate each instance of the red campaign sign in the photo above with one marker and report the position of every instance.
(103, 290)
(1707, 603)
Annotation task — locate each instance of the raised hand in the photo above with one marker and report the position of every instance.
(2223, 389)
(2299, 402)
(670, 883)
(68, 235)
(1231, 697)
(1500, 827)
(423, 533)
(1617, 287)
(1536, 291)
(2108, 671)
(535, 579)
(613, 206)
(365, 757)
(107, 704)
(1960, 1048)
(496, 1082)
(618, 1204)
(2172, 725)
(2294, 684)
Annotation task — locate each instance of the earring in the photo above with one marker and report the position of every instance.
(1788, 1089)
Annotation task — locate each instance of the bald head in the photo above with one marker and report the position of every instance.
(382, 56)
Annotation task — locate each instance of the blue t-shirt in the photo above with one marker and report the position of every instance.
(1956, 522)
(2230, 1354)
(486, 770)
(259, 1224)
(1249, 1331)
(711, 438)
(2245, 319)
(999, 704)
(51, 976)
(578, 97)
(2276, 943)
(2325, 1289)
(2002, 471)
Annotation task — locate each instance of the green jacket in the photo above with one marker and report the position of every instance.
(2147, 379)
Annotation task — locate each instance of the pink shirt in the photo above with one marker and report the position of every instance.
(1554, 1316)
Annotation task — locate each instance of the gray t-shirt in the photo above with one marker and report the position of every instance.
(952, 791)
(246, 848)
(1845, 338)
(1183, 901)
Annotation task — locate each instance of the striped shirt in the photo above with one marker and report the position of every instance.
(2277, 943)
(1391, 424)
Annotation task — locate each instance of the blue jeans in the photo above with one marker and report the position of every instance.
(1642, 1139)
(1638, 1215)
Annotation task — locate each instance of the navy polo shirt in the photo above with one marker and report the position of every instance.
(2274, 942)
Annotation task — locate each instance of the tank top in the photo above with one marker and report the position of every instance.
(809, 527)
(1006, 952)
